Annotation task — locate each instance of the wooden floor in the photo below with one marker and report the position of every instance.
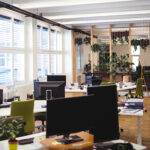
(129, 124)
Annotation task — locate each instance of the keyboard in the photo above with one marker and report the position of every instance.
(4, 105)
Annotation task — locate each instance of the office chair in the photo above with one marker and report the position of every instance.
(139, 87)
(5, 123)
(25, 109)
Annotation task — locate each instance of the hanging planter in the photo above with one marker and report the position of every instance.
(87, 40)
(78, 41)
(95, 47)
(143, 43)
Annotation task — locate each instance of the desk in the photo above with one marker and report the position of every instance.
(37, 146)
(139, 114)
(75, 92)
(37, 108)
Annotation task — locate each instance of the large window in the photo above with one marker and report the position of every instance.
(50, 51)
(11, 62)
(135, 57)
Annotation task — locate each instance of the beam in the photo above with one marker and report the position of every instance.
(92, 42)
(28, 14)
(130, 58)
(74, 59)
(110, 50)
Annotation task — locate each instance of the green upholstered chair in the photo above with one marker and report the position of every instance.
(139, 87)
(11, 123)
(25, 109)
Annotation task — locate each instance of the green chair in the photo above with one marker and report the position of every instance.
(139, 87)
(107, 83)
(25, 109)
(11, 123)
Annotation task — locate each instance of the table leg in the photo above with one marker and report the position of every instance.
(139, 137)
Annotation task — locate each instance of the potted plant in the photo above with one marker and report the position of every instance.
(10, 128)
(87, 40)
(78, 41)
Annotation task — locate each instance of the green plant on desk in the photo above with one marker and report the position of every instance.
(10, 128)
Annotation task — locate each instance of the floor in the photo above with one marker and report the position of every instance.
(129, 125)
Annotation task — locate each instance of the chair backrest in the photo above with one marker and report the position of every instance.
(6, 124)
(139, 87)
(25, 109)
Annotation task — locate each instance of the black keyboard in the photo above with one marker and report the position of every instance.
(4, 105)
(26, 141)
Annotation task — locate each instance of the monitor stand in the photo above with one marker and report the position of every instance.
(69, 139)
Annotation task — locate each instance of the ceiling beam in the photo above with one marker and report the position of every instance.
(28, 14)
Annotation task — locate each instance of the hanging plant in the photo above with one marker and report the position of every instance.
(95, 47)
(127, 39)
(114, 41)
(121, 40)
(78, 41)
(135, 43)
(144, 43)
(87, 40)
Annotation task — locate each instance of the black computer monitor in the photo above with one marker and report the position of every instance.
(106, 125)
(1, 96)
(69, 115)
(57, 87)
(56, 78)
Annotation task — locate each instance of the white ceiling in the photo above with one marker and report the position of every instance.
(84, 13)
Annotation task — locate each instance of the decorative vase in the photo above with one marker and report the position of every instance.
(13, 145)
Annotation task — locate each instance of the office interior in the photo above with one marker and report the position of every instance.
(52, 42)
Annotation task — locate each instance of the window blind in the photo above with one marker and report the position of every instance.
(5, 68)
(43, 64)
(45, 38)
(18, 67)
(53, 39)
(59, 63)
(18, 33)
(53, 63)
(38, 37)
(59, 41)
(5, 31)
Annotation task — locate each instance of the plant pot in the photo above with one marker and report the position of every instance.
(13, 145)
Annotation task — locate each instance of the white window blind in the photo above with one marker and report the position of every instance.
(18, 67)
(59, 41)
(5, 31)
(5, 68)
(53, 63)
(38, 37)
(44, 38)
(59, 63)
(43, 64)
(53, 39)
(18, 33)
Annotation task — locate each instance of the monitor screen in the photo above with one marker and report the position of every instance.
(57, 87)
(69, 115)
(1, 96)
(106, 125)
(56, 78)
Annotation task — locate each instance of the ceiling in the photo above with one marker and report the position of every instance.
(85, 13)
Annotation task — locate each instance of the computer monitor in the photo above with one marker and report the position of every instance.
(56, 78)
(70, 115)
(1, 96)
(106, 125)
(40, 88)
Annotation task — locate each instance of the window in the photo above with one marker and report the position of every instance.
(44, 38)
(59, 41)
(135, 57)
(53, 39)
(53, 63)
(43, 65)
(38, 37)
(18, 67)
(59, 63)
(5, 31)
(18, 33)
(5, 68)
(78, 56)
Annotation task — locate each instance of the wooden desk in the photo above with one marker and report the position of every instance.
(86, 144)
(37, 146)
